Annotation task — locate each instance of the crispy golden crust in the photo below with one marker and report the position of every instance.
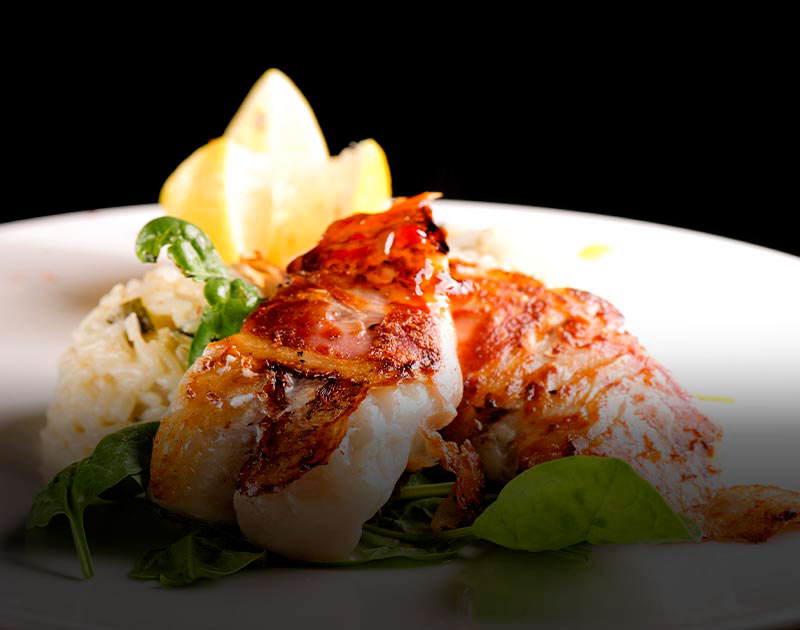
(373, 342)
(358, 304)
(548, 373)
(297, 439)
(190, 438)
(751, 513)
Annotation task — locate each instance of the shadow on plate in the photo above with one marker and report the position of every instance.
(19, 442)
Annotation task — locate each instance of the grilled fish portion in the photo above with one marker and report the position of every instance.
(299, 427)
(548, 373)
(752, 513)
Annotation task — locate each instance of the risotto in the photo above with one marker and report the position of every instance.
(126, 358)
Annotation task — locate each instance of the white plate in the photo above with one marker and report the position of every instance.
(720, 314)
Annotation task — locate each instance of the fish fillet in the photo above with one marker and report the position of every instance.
(549, 373)
(299, 427)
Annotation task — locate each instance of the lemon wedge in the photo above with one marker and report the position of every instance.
(373, 180)
(268, 186)
(209, 188)
(276, 118)
(249, 202)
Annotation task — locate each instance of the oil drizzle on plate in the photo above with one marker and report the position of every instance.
(719, 399)
(593, 252)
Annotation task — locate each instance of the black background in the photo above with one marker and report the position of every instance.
(696, 137)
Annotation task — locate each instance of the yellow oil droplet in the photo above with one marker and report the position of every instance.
(719, 399)
(593, 252)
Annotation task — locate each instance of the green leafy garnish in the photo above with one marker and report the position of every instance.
(120, 465)
(229, 304)
(375, 546)
(203, 553)
(599, 500)
(555, 506)
(413, 517)
(229, 300)
(187, 246)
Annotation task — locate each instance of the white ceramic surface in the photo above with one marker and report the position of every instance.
(720, 314)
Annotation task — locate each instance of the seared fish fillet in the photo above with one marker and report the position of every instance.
(299, 426)
(548, 373)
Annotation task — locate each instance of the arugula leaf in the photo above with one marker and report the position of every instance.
(229, 300)
(375, 546)
(120, 465)
(229, 304)
(599, 500)
(199, 554)
(411, 517)
(427, 476)
(188, 247)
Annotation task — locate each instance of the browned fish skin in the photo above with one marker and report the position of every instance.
(309, 324)
(548, 373)
(200, 448)
(751, 513)
(317, 429)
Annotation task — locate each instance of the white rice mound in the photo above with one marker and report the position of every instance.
(114, 374)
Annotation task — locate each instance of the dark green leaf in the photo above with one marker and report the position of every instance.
(408, 516)
(229, 304)
(426, 476)
(205, 334)
(599, 500)
(199, 554)
(120, 464)
(187, 246)
(374, 546)
(232, 301)
(229, 300)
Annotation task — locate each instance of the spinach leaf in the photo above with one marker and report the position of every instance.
(120, 465)
(229, 300)
(203, 553)
(188, 247)
(599, 500)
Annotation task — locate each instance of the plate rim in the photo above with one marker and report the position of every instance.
(10, 226)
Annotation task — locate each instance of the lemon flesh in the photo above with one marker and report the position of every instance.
(276, 118)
